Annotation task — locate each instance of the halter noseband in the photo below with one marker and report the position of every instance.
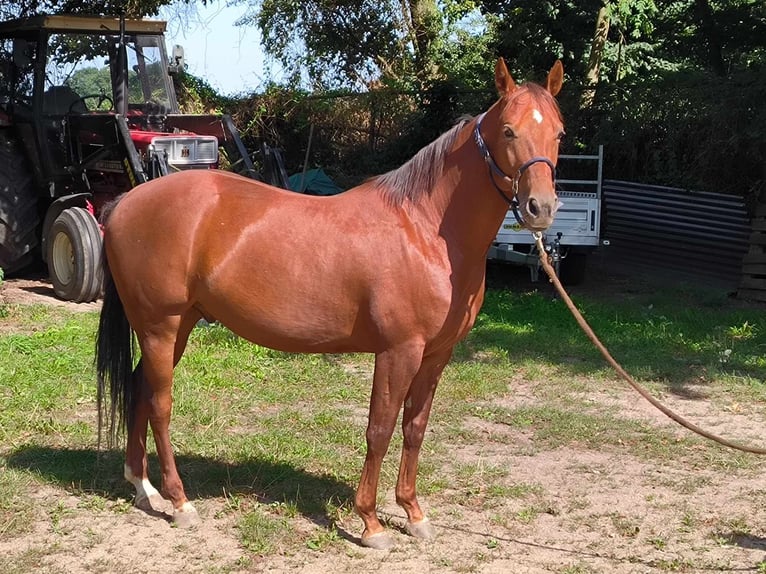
(494, 169)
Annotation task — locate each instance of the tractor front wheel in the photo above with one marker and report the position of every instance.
(74, 252)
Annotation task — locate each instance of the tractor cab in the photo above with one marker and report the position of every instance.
(88, 110)
(80, 90)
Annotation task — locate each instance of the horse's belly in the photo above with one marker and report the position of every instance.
(293, 326)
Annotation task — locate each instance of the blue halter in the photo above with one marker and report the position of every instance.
(513, 201)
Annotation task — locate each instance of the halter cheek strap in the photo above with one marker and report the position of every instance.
(494, 169)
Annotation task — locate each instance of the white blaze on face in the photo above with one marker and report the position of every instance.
(538, 117)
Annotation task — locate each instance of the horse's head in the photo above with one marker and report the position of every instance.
(522, 132)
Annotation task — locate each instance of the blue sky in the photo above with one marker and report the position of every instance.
(228, 57)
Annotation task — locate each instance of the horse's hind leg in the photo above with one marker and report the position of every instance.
(148, 498)
(417, 408)
(153, 404)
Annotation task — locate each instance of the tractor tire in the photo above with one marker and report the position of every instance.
(19, 216)
(74, 256)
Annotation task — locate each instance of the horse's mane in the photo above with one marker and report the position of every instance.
(418, 176)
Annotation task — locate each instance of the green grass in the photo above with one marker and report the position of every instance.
(275, 436)
(263, 532)
(16, 507)
(676, 342)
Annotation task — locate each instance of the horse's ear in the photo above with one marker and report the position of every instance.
(503, 80)
(555, 78)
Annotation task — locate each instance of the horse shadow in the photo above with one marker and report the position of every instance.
(744, 540)
(96, 472)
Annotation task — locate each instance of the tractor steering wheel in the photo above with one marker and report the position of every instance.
(101, 99)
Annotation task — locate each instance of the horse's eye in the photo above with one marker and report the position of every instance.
(508, 132)
(562, 135)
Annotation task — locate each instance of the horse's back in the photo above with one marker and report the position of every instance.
(200, 206)
(185, 193)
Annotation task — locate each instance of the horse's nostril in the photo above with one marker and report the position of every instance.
(533, 208)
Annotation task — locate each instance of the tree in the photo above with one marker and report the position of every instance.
(130, 8)
(352, 43)
(592, 72)
(327, 42)
(719, 37)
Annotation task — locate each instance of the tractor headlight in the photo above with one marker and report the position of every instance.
(188, 151)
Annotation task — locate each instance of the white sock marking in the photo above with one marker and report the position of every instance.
(186, 507)
(143, 486)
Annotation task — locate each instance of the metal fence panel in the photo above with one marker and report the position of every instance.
(696, 232)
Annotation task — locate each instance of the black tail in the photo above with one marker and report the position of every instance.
(114, 363)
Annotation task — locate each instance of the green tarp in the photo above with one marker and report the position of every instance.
(315, 182)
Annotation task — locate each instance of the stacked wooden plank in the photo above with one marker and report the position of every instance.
(753, 283)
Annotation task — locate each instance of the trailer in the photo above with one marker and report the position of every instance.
(576, 231)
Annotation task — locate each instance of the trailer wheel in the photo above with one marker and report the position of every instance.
(74, 252)
(18, 207)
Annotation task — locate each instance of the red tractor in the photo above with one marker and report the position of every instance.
(87, 111)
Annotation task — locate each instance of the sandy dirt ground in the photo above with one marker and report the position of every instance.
(595, 511)
(36, 289)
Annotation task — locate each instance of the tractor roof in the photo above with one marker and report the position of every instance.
(75, 23)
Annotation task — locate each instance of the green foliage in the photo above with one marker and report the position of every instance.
(532, 34)
(678, 101)
(685, 128)
(197, 96)
(357, 44)
(131, 8)
(663, 112)
(314, 37)
(91, 80)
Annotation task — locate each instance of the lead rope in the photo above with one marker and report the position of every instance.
(616, 366)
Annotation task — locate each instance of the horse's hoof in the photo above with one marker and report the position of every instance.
(422, 529)
(153, 504)
(186, 516)
(379, 541)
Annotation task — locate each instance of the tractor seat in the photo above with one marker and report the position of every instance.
(62, 100)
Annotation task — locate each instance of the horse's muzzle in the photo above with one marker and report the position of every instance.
(539, 213)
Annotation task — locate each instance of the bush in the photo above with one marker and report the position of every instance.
(686, 129)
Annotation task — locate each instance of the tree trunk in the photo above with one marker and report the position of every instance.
(712, 36)
(425, 25)
(596, 53)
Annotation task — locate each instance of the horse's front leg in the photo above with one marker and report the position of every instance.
(148, 498)
(394, 371)
(417, 408)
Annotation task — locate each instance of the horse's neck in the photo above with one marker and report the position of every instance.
(470, 209)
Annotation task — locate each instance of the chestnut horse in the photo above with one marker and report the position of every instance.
(393, 267)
